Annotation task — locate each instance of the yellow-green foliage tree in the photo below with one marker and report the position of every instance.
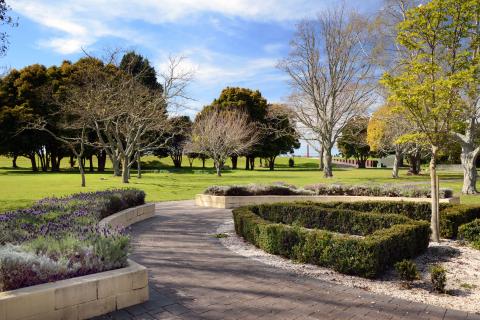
(427, 86)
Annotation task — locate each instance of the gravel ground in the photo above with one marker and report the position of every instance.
(461, 262)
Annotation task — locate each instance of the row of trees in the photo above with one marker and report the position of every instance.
(104, 107)
(239, 122)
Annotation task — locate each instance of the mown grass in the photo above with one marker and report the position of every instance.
(20, 187)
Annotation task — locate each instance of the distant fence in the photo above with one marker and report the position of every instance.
(354, 163)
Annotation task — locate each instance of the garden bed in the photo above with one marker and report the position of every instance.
(65, 248)
(228, 197)
(368, 243)
(230, 202)
(461, 262)
(78, 298)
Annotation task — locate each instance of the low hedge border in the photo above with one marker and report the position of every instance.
(451, 216)
(363, 256)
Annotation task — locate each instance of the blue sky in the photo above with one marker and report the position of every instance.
(227, 42)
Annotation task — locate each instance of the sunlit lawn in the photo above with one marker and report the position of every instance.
(20, 187)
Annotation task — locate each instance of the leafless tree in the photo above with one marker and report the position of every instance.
(221, 134)
(331, 72)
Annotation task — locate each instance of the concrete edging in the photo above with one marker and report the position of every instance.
(87, 296)
(229, 202)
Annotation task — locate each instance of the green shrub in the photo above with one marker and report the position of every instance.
(364, 256)
(332, 219)
(438, 276)
(471, 232)
(451, 216)
(407, 270)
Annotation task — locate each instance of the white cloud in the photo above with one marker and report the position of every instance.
(81, 23)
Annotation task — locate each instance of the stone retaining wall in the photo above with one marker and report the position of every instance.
(77, 298)
(129, 216)
(229, 202)
(83, 297)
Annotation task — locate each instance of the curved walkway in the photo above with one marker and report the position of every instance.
(192, 276)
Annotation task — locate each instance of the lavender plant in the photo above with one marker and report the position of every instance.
(59, 238)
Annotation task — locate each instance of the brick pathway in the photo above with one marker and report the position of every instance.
(192, 276)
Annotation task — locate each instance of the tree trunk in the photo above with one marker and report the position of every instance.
(14, 161)
(203, 163)
(247, 163)
(101, 159)
(271, 163)
(234, 161)
(72, 162)
(125, 171)
(33, 160)
(81, 169)
(252, 163)
(361, 163)
(218, 167)
(468, 158)
(396, 163)
(327, 159)
(116, 166)
(320, 159)
(139, 166)
(434, 195)
(90, 159)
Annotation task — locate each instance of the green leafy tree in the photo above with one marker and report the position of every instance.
(135, 64)
(426, 88)
(280, 135)
(353, 140)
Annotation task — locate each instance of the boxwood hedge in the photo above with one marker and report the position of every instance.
(451, 216)
(281, 229)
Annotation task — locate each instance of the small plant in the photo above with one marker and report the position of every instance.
(291, 162)
(468, 286)
(220, 235)
(438, 276)
(407, 271)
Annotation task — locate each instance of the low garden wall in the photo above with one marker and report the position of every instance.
(86, 296)
(78, 298)
(229, 202)
(129, 216)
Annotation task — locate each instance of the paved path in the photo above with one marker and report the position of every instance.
(192, 276)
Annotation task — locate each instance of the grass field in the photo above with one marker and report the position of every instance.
(20, 187)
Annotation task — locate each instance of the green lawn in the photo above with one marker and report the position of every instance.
(20, 187)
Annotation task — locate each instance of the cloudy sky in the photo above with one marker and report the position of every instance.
(227, 42)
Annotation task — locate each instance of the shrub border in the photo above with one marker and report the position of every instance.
(87, 296)
(363, 256)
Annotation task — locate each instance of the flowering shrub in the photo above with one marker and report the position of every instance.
(257, 190)
(59, 238)
(387, 190)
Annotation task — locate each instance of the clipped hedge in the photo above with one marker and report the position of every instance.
(471, 233)
(350, 254)
(451, 216)
(332, 219)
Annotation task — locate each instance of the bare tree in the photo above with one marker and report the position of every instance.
(331, 73)
(129, 117)
(222, 134)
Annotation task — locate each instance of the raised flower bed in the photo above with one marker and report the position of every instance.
(228, 197)
(67, 257)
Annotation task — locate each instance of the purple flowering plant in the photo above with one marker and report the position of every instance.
(61, 237)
